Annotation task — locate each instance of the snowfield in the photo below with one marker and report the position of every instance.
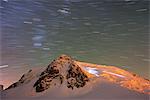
(68, 79)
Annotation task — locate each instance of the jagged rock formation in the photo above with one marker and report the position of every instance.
(63, 69)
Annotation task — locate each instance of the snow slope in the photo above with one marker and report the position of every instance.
(68, 79)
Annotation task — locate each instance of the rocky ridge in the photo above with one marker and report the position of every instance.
(62, 69)
(69, 73)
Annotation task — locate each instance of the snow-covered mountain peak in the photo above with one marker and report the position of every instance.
(63, 69)
(66, 77)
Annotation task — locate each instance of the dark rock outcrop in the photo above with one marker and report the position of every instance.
(60, 70)
(1, 88)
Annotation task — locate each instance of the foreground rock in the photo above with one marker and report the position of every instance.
(66, 77)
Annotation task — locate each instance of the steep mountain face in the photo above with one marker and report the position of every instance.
(63, 69)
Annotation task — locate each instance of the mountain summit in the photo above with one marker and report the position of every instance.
(66, 77)
(63, 69)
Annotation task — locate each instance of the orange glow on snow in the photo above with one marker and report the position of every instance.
(119, 76)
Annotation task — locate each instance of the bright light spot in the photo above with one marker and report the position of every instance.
(27, 22)
(5, 0)
(114, 74)
(3, 66)
(63, 11)
(92, 70)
